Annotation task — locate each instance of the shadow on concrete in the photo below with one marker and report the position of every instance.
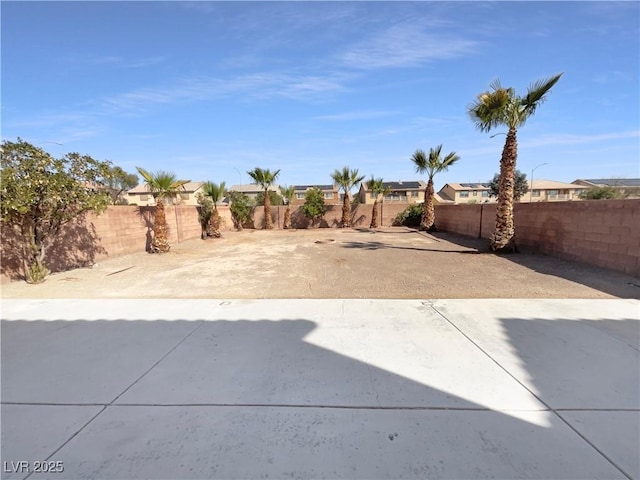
(240, 393)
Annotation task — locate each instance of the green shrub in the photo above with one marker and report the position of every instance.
(314, 207)
(241, 209)
(601, 193)
(410, 216)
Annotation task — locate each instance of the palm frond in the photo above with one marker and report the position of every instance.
(420, 160)
(346, 178)
(537, 90)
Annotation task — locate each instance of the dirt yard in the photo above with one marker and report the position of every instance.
(332, 263)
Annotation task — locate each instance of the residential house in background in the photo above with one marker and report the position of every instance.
(330, 193)
(251, 190)
(551, 191)
(629, 186)
(142, 196)
(401, 192)
(543, 191)
(466, 193)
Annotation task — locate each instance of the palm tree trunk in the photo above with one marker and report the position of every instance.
(503, 238)
(267, 211)
(374, 215)
(215, 224)
(160, 244)
(423, 217)
(428, 220)
(346, 212)
(287, 218)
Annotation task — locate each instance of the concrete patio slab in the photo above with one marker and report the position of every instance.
(253, 442)
(396, 354)
(81, 361)
(38, 431)
(578, 354)
(615, 433)
(321, 388)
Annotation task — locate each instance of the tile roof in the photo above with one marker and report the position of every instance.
(612, 182)
(251, 188)
(401, 185)
(304, 188)
(542, 184)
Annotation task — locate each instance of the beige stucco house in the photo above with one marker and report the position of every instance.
(142, 196)
(466, 193)
(252, 190)
(629, 186)
(401, 192)
(543, 191)
(551, 191)
(330, 194)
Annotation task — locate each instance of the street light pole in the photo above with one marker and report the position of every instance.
(531, 188)
(240, 174)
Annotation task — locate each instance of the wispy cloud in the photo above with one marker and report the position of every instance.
(570, 139)
(116, 61)
(611, 77)
(406, 45)
(252, 86)
(357, 115)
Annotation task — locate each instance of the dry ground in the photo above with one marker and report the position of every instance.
(332, 263)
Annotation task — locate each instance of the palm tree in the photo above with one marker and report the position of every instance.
(502, 107)
(265, 179)
(431, 164)
(287, 194)
(216, 193)
(378, 190)
(346, 179)
(161, 184)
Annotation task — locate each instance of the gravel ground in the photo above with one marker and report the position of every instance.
(332, 263)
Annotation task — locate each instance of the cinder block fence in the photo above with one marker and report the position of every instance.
(600, 232)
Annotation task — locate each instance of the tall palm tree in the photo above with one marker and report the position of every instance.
(287, 194)
(161, 184)
(265, 179)
(346, 179)
(216, 193)
(502, 107)
(432, 164)
(379, 190)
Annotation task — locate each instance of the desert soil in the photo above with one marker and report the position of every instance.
(332, 263)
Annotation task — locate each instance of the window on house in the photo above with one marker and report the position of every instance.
(184, 196)
(144, 197)
(300, 196)
(535, 193)
(328, 195)
(415, 193)
(552, 193)
(485, 193)
(464, 194)
(474, 193)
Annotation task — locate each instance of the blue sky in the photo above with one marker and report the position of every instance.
(210, 90)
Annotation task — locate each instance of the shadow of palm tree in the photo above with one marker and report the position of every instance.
(602, 279)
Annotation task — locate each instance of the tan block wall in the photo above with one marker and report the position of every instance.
(119, 230)
(601, 232)
(360, 216)
(605, 233)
